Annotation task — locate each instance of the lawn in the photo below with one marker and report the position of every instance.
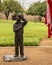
(33, 33)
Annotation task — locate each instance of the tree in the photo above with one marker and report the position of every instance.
(8, 6)
(37, 9)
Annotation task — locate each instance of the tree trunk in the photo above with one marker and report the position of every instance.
(6, 14)
(40, 18)
(6, 17)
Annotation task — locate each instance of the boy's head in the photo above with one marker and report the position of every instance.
(19, 16)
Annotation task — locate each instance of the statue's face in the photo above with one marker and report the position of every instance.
(18, 18)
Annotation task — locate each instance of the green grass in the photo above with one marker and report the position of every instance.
(33, 33)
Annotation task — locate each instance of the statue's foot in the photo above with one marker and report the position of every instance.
(23, 57)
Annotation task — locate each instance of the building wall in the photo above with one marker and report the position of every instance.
(28, 17)
(2, 16)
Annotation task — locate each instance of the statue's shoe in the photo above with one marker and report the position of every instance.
(23, 58)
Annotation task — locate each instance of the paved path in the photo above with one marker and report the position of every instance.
(36, 55)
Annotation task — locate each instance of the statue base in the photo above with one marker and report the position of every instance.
(9, 58)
